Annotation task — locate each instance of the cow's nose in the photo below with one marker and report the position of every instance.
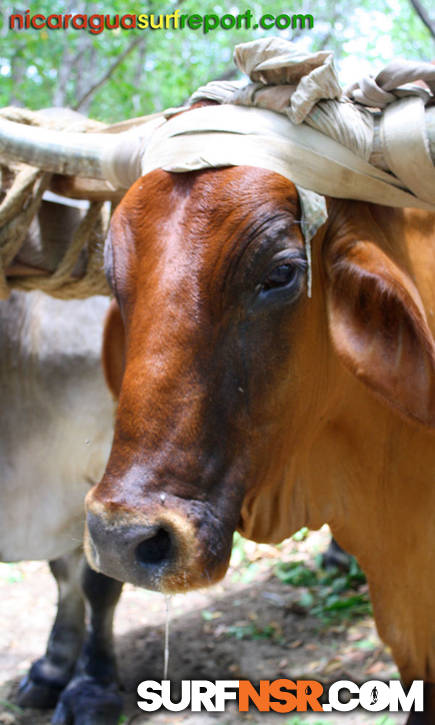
(156, 548)
(135, 553)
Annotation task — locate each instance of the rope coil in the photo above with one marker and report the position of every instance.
(22, 188)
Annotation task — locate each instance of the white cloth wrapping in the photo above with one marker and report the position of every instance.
(305, 88)
(293, 118)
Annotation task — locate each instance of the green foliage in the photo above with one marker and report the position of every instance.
(10, 573)
(132, 72)
(238, 553)
(329, 594)
(10, 706)
(299, 721)
(297, 574)
(384, 720)
(301, 535)
(251, 630)
(207, 616)
(246, 569)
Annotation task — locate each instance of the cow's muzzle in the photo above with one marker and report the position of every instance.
(160, 550)
(138, 553)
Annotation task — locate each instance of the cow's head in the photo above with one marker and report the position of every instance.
(228, 372)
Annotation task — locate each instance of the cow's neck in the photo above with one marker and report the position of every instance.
(365, 471)
(370, 481)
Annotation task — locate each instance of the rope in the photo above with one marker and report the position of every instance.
(20, 206)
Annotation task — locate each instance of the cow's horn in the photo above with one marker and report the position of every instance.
(115, 158)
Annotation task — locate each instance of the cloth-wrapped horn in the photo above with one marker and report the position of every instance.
(114, 158)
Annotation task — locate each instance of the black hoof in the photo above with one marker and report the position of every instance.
(86, 702)
(31, 694)
(40, 688)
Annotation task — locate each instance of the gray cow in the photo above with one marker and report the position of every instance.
(55, 435)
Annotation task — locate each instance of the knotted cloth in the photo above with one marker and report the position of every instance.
(321, 140)
(304, 88)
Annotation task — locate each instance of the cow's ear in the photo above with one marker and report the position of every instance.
(379, 328)
(114, 349)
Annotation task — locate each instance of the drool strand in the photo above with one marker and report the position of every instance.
(166, 649)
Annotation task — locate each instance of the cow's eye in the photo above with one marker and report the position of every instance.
(284, 275)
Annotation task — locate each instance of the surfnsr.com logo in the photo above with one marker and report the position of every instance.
(281, 696)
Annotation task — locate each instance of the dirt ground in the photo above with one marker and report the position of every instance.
(249, 627)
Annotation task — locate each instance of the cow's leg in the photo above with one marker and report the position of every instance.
(92, 696)
(49, 675)
(418, 718)
(336, 557)
(401, 591)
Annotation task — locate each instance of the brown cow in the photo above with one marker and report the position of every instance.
(244, 404)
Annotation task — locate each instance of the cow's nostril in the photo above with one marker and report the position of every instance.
(156, 549)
